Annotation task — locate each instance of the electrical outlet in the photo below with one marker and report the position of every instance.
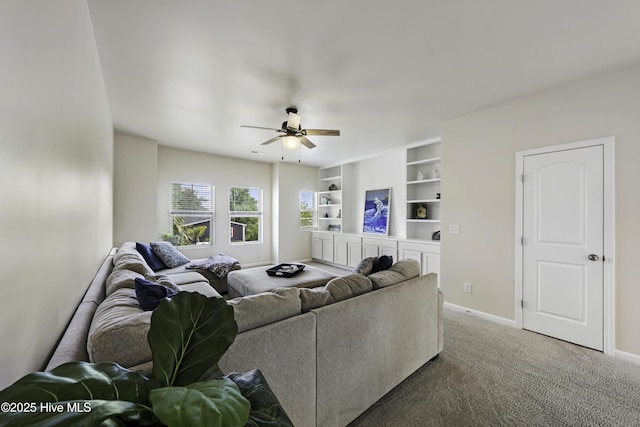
(454, 229)
(467, 288)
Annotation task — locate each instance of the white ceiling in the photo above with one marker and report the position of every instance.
(386, 73)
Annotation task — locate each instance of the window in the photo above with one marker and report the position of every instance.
(192, 213)
(245, 215)
(307, 210)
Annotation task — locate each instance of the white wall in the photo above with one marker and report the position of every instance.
(134, 196)
(385, 171)
(479, 188)
(176, 165)
(289, 242)
(56, 169)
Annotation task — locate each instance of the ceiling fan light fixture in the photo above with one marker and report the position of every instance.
(294, 121)
(290, 142)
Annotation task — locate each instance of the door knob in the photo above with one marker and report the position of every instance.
(594, 257)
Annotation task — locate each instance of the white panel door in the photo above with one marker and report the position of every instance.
(563, 228)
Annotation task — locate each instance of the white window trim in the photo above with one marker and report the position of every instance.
(189, 213)
(313, 210)
(248, 214)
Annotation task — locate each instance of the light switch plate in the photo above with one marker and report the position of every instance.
(454, 229)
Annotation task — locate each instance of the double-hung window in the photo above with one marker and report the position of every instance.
(192, 213)
(307, 210)
(245, 215)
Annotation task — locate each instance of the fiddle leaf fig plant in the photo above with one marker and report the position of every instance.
(188, 336)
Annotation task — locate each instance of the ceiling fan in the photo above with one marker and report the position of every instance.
(292, 133)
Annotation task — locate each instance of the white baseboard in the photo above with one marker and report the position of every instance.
(482, 314)
(627, 357)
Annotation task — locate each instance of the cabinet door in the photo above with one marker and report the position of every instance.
(392, 252)
(340, 252)
(327, 250)
(369, 251)
(316, 248)
(431, 264)
(354, 254)
(415, 255)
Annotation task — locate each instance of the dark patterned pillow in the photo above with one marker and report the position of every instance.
(382, 263)
(169, 254)
(152, 260)
(150, 294)
(365, 267)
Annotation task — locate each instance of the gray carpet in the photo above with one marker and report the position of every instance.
(494, 375)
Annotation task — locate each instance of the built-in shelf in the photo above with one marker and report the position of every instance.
(425, 161)
(423, 195)
(424, 181)
(330, 177)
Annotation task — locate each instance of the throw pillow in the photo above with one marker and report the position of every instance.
(365, 266)
(169, 254)
(163, 280)
(152, 260)
(150, 294)
(382, 263)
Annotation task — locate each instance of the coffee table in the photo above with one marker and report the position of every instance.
(252, 281)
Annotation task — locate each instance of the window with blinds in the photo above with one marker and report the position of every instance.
(192, 213)
(307, 210)
(245, 215)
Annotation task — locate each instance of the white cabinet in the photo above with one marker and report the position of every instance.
(424, 175)
(340, 252)
(330, 199)
(322, 246)
(427, 255)
(347, 250)
(376, 247)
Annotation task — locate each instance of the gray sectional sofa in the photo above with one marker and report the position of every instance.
(328, 353)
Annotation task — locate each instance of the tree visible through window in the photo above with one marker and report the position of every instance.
(192, 213)
(307, 210)
(245, 215)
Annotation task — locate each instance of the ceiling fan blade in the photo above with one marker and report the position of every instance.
(294, 121)
(260, 127)
(304, 141)
(274, 139)
(321, 132)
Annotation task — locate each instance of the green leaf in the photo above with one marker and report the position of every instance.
(188, 336)
(266, 410)
(81, 412)
(216, 403)
(81, 381)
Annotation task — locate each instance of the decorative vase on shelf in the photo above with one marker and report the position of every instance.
(333, 187)
(420, 176)
(435, 174)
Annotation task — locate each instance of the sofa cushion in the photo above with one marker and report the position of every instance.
(382, 263)
(365, 266)
(315, 298)
(128, 258)
(169, 255)
(349, 286)
(161, 279)
(399, 272)
(118, 331)
(150, 294)
(119, 279)
(150, 257)
(203, 288)
(257, 310)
